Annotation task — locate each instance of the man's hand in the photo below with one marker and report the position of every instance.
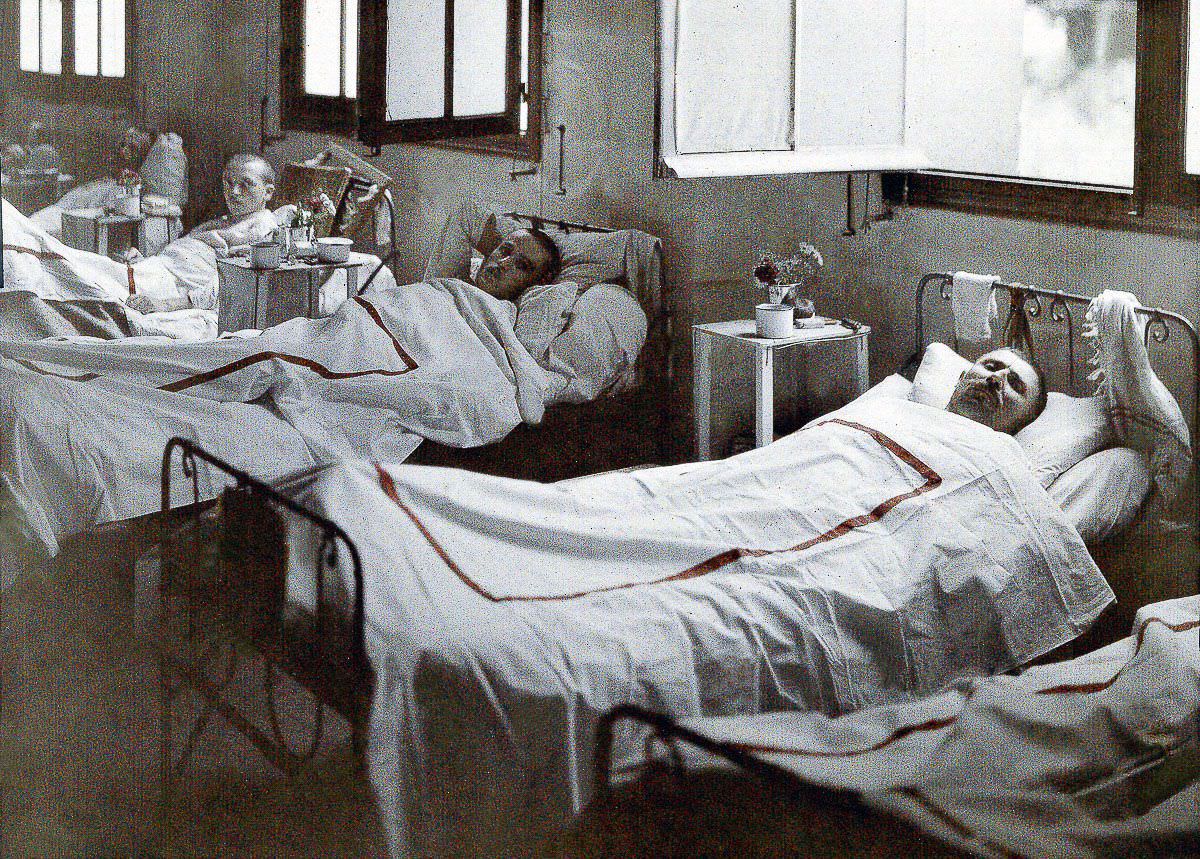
(146, 304)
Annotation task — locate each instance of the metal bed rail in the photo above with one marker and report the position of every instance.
(306, 651)
(1159, 322)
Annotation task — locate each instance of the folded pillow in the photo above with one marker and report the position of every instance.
(940, 369)
(542, 314)
(164, 169)
(1103, 493)
(1067, 431)
(602, 341)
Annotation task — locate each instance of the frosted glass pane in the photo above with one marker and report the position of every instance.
(30, 19)
(1041, 91)
(850, 72)
(112, 42)
(52, 36)
(733, 75)
(322, 47)
(416, 57)
(480, 32)
(1193, 87)
(87, 36)
(350, 46)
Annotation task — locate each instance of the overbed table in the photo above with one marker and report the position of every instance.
(250, 297)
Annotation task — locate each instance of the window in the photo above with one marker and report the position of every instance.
(1047, 126)
(75, 49)
(1057, 109)
(455, 72)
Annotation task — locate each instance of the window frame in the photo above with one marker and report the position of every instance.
(362, 117)
(300, 111)
(67, 86)
(1164, 198)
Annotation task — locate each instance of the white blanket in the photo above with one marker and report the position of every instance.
(860, 561)
(37, 262)
(83, 424)
(1069, 759)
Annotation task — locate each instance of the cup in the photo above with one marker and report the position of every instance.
(773, 321)
(266, 255)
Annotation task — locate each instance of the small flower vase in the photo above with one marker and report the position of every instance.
(781, 293)
(129, 204)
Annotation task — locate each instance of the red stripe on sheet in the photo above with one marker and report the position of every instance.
(895, 736)
(936, 724)
(82, 377)
(259, 357)
(42, 255)
(716, 562)
(378, 320)
(1088, 688)
(129, 275)
(320, 369)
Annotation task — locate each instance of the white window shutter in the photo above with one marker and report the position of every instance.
(728, 108)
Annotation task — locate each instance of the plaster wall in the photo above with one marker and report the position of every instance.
(205, 66)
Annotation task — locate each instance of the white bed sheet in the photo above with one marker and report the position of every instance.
(1050, 763)
(505, 616)
(83, 422)
(38, 262)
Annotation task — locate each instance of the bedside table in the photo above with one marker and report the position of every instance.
(249, 297)
(93, 230)
(834, 335)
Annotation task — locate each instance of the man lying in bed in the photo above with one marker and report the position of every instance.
(1003, 390)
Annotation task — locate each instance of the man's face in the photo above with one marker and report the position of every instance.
(516, 264)
(1001, 390)
(246, 191)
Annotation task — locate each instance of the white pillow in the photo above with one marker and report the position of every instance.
(1069, 429)
(602, 341)
(940, 369)
(894, 387)
(542, 314)
(1103, 493)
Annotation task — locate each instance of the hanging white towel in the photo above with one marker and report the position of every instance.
(974, 302)
(1144, 414)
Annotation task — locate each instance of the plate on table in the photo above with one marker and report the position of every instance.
(811, 322)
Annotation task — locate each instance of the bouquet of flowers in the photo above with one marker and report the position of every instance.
(316, 207)
(781, 277)
(130, 180)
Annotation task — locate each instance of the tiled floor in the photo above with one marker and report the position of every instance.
(79, 752)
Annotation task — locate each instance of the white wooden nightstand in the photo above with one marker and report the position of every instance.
(249, 297)
(93, 230)
(834, 335)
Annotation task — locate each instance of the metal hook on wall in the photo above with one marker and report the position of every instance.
(851, 227)
(561, 190)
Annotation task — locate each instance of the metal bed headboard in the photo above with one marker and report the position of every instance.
(310, 658)
(1061, 308)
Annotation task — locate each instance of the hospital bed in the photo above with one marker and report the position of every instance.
(325, 630)
(1093, 756)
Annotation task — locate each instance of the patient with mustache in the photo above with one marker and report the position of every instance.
(1003, 390)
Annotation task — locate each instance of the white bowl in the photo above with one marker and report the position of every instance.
(334, 249)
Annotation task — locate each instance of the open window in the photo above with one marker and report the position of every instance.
(1057, 109)
(461, 72)
(75, 50)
